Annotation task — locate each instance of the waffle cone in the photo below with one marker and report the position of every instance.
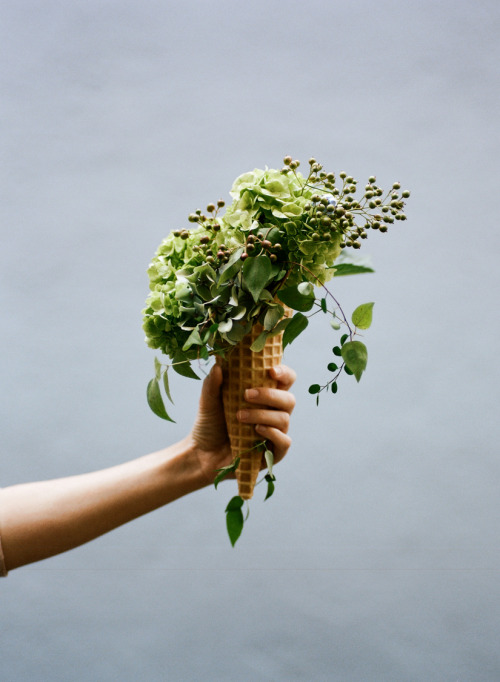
(242, 369)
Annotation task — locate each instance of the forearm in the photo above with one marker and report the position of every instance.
(38, 520)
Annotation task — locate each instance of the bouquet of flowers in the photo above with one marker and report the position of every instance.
(239, 285)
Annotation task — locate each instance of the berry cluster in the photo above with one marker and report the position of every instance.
(337, 210)
(258, 244)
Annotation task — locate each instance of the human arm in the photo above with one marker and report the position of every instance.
(40, 519)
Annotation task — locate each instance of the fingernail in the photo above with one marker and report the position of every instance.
(251, 393)
(242, 414)
(278, 371)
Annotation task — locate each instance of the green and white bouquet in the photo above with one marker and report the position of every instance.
(283, 236)
(255, 274)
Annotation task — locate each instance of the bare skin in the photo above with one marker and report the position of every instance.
(44, 518)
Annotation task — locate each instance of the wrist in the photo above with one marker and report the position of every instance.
(182, 463)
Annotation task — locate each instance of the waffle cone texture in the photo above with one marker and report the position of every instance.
(242, 369)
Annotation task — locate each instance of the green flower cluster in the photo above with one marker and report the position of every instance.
(281, 206)
(282, 234)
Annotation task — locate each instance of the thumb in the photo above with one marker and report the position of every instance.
(210, 391)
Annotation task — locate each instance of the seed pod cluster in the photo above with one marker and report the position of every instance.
(334, 209)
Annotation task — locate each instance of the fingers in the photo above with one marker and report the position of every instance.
(285, 376)
(276, 398)
(277, 419)
(280, 440)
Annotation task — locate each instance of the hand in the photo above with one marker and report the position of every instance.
(209, 434)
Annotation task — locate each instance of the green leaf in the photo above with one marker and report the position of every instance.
(166, 386)
(273, 316)
(193, 339)
(351, 269)
(281, 326)
(259, 342)
(183, 367)
(294, 327)
(270, 486)
(337, 351)
(157, 369)
(343, 339)
(269, 457)
(355, 357)
(362, 316)
(155, 401)
(293, 298)
(305, 289)
(229, 269)
(351, 263)
(257, 271)
(323, 305)
(334, 387)
(235, 503)
(225, 471)
(332, 367)
(234, 518)
(314, 388)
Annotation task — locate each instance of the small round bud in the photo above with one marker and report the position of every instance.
(211, 208)
(315, 236)
(220, 254)
(177, 233)
(221, 203)
(287, 160)
(342, 175)
(273, 258)
(184, 235)
(278, 246)
(372, 179)
(244, 256)
(405, 194)
(266, 243)
(216, 227)
(312, 161)
(192, 217)
(396, 185)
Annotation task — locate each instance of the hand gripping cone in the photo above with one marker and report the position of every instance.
(242, 369)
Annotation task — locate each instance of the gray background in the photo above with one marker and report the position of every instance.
(377, 558)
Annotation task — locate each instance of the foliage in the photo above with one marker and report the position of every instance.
(283, 237)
